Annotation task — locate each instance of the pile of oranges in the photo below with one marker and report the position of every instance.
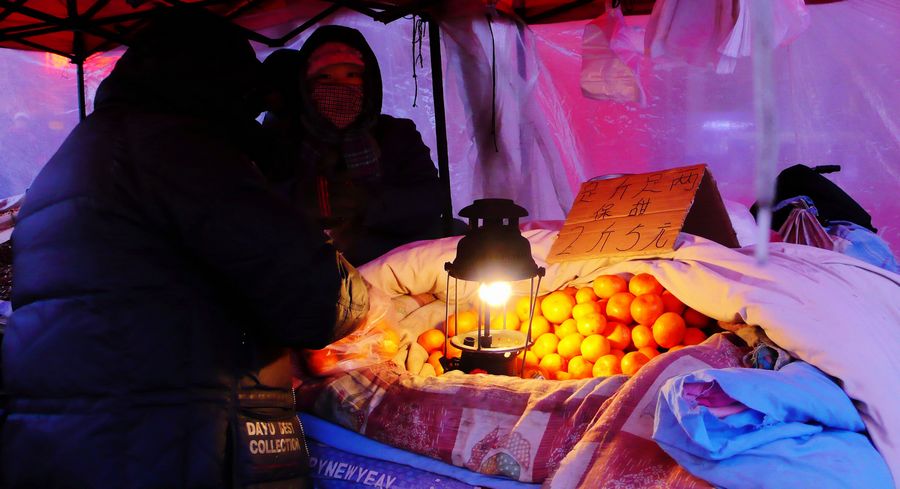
(614, 326)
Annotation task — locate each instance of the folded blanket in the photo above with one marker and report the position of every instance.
(756, 428)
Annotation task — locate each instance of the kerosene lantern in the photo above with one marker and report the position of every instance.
(493, 253)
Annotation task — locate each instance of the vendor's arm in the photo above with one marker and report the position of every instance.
(411, 193)
(264, 251)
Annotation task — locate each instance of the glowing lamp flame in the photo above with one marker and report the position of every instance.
(496, 294)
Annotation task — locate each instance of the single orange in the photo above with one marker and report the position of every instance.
(585, 308)
(646, 308)
(531, 360)
(594, 347)
(435, 361)
(644, 283)
(432, 340)
(606, 366)
(650, 352)
(320, 362)
(551, 364)
(585, 294)
(539, 326)
(557, 307)
(676, 348)
(571, 290)
(467, 321)
(618, 353)
(452, 351)
(671, 303)
(570, 346)
(642, 336)
(632, 362)
(390, 342)
(620, 337)
(693, 336)
(563, 375)
(605, 286)
(695, 319)
(668, 330)
(619, 307)
(579, 368)
(523, 308)
(567, 327)
(591, 324)
(544, 345)
(511, 322)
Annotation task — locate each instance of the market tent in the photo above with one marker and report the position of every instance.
(834, 88)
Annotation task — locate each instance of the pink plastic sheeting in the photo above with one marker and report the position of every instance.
(837, 89)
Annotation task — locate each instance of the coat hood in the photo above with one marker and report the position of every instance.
(286, 71)
(187, 62)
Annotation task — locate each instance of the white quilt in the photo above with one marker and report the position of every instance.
(833, 311)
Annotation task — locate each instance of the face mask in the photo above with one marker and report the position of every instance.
(340, 104)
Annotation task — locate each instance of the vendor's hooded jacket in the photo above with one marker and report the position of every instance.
(154, 272)
(400, 202)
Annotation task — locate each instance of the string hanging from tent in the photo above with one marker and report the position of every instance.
(493, 78)
(417, 36)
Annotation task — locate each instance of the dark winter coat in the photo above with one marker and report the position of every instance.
(154, 271)
(403, 204)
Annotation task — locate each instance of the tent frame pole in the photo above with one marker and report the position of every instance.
(440, 120)
(82, 103)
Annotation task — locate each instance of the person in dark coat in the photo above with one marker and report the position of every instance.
(157, 277)
(367, 177)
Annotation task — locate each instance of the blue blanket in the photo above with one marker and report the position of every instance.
(751, 428)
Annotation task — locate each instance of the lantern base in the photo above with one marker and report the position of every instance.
(497, 363)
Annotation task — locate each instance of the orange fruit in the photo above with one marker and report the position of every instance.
(606, 365)
(591, 324)
(452, 351)
(467, 321)
(563, 375)
(676, 348)
(642, 336)
(594, 347)
(620, 337)
(618, 353)
(539, 326)
(671, 303)
(571, 290)
(650, 352)
(570, 346)
(694, 319)
(668, 330)
(646, 308)
(544, 345)
(523, 308)
(551, 364)
(693, 336)
(619, 307)
(557, 307)
(579, 368)
(585, 294)
(632, 362)
(531, 360)
(605, 286)
(435, 361)
(512, 320)
(644, 283)
(567, 327)
(390, 342)
(432, 340)
(581, 310)
(319, 362)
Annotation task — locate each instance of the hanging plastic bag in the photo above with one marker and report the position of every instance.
(376, 340)
(802, 225)
(716, 32)
(611, 55)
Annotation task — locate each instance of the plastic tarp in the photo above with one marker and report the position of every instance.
(835, 87)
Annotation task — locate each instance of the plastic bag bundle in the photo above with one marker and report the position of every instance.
(611, 55)
(802, 225)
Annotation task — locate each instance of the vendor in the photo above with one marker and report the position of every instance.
(366, 177)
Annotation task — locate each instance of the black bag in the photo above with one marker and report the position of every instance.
(831, 201)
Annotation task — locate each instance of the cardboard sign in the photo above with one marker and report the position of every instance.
(642, 215)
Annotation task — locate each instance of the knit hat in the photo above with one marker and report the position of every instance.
(332, 53)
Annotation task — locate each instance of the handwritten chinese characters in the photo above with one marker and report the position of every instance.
(630, 215)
